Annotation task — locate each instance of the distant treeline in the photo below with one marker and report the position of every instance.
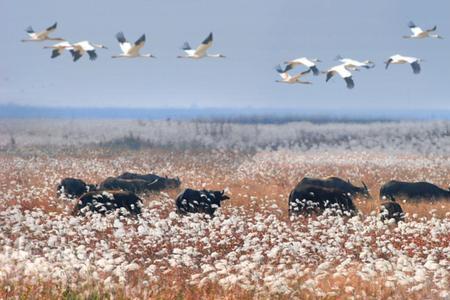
(283, 119)
(224, 115)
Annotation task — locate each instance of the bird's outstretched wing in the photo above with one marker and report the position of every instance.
(121, 37)
(134, 49)
(416, 67)
(432, 29)
(283, 73)
(186, 46)
(305, 72)
(76, 54)
(330, 75)
(140, 41)
(29, 30)
(297, 76)
(92, 54)
(315, 70)
(55, 53)
(349, 81)
(124, 45)
(207, 42)
(388, 63)
(414, 28)
(280, 70)
(52, 28)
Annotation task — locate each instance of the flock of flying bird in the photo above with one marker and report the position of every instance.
(129, 49)
(347, 65)
(132, 50)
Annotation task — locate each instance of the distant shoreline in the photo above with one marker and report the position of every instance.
(233, 115)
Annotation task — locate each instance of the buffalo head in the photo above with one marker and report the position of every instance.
(220, 195)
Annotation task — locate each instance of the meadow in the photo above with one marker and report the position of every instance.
(251, 248)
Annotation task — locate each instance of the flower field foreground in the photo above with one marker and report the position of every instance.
(250, 249)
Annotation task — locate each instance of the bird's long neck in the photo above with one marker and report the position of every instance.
(215, 55)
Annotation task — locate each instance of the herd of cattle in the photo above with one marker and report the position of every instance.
(310, 196)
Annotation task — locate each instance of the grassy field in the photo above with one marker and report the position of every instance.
(251, 248)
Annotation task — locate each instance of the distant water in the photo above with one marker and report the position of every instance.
(240, 115)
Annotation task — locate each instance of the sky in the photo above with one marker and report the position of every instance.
(254, 35)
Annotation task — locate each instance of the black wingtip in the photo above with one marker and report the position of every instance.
(388, 63)
(55, 53)
(120, 37)
(350, 82)
(186, 46)
(411, 24)
(315, 70)
(92, 54)
(279, 69)
(29, 29)
(208, 39)
(75, 54)
(53, 26)
(140, 40)
(329, 75)
(416, 67)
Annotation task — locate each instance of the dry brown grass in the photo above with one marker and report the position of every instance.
(30, 184)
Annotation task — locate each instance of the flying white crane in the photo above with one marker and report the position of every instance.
(42, 35)
(201, 50)
(354, 65)
(79, 49)
(419, 33)
(130, 50)
(291, 79)
(309, 63)
(343, 72)
(59, 48)
(400, 59)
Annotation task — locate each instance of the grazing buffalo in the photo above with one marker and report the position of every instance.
(192, 201)
(130, 185)
(307, 199)
(340, 184)
(106, 201)
(391, 210)
(74, 188)
(160, 183)
(413, 191)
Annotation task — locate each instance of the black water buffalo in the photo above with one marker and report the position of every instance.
(391, 210)
(193, 201)
(338, 183)
(393, 190)
(308, 199)
(74, 188)
(160, 183)
(130, 185)
(107, 201)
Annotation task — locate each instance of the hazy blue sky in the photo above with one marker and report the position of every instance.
(254, 35)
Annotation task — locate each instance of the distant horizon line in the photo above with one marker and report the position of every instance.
(201, 107)
(223, 113)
